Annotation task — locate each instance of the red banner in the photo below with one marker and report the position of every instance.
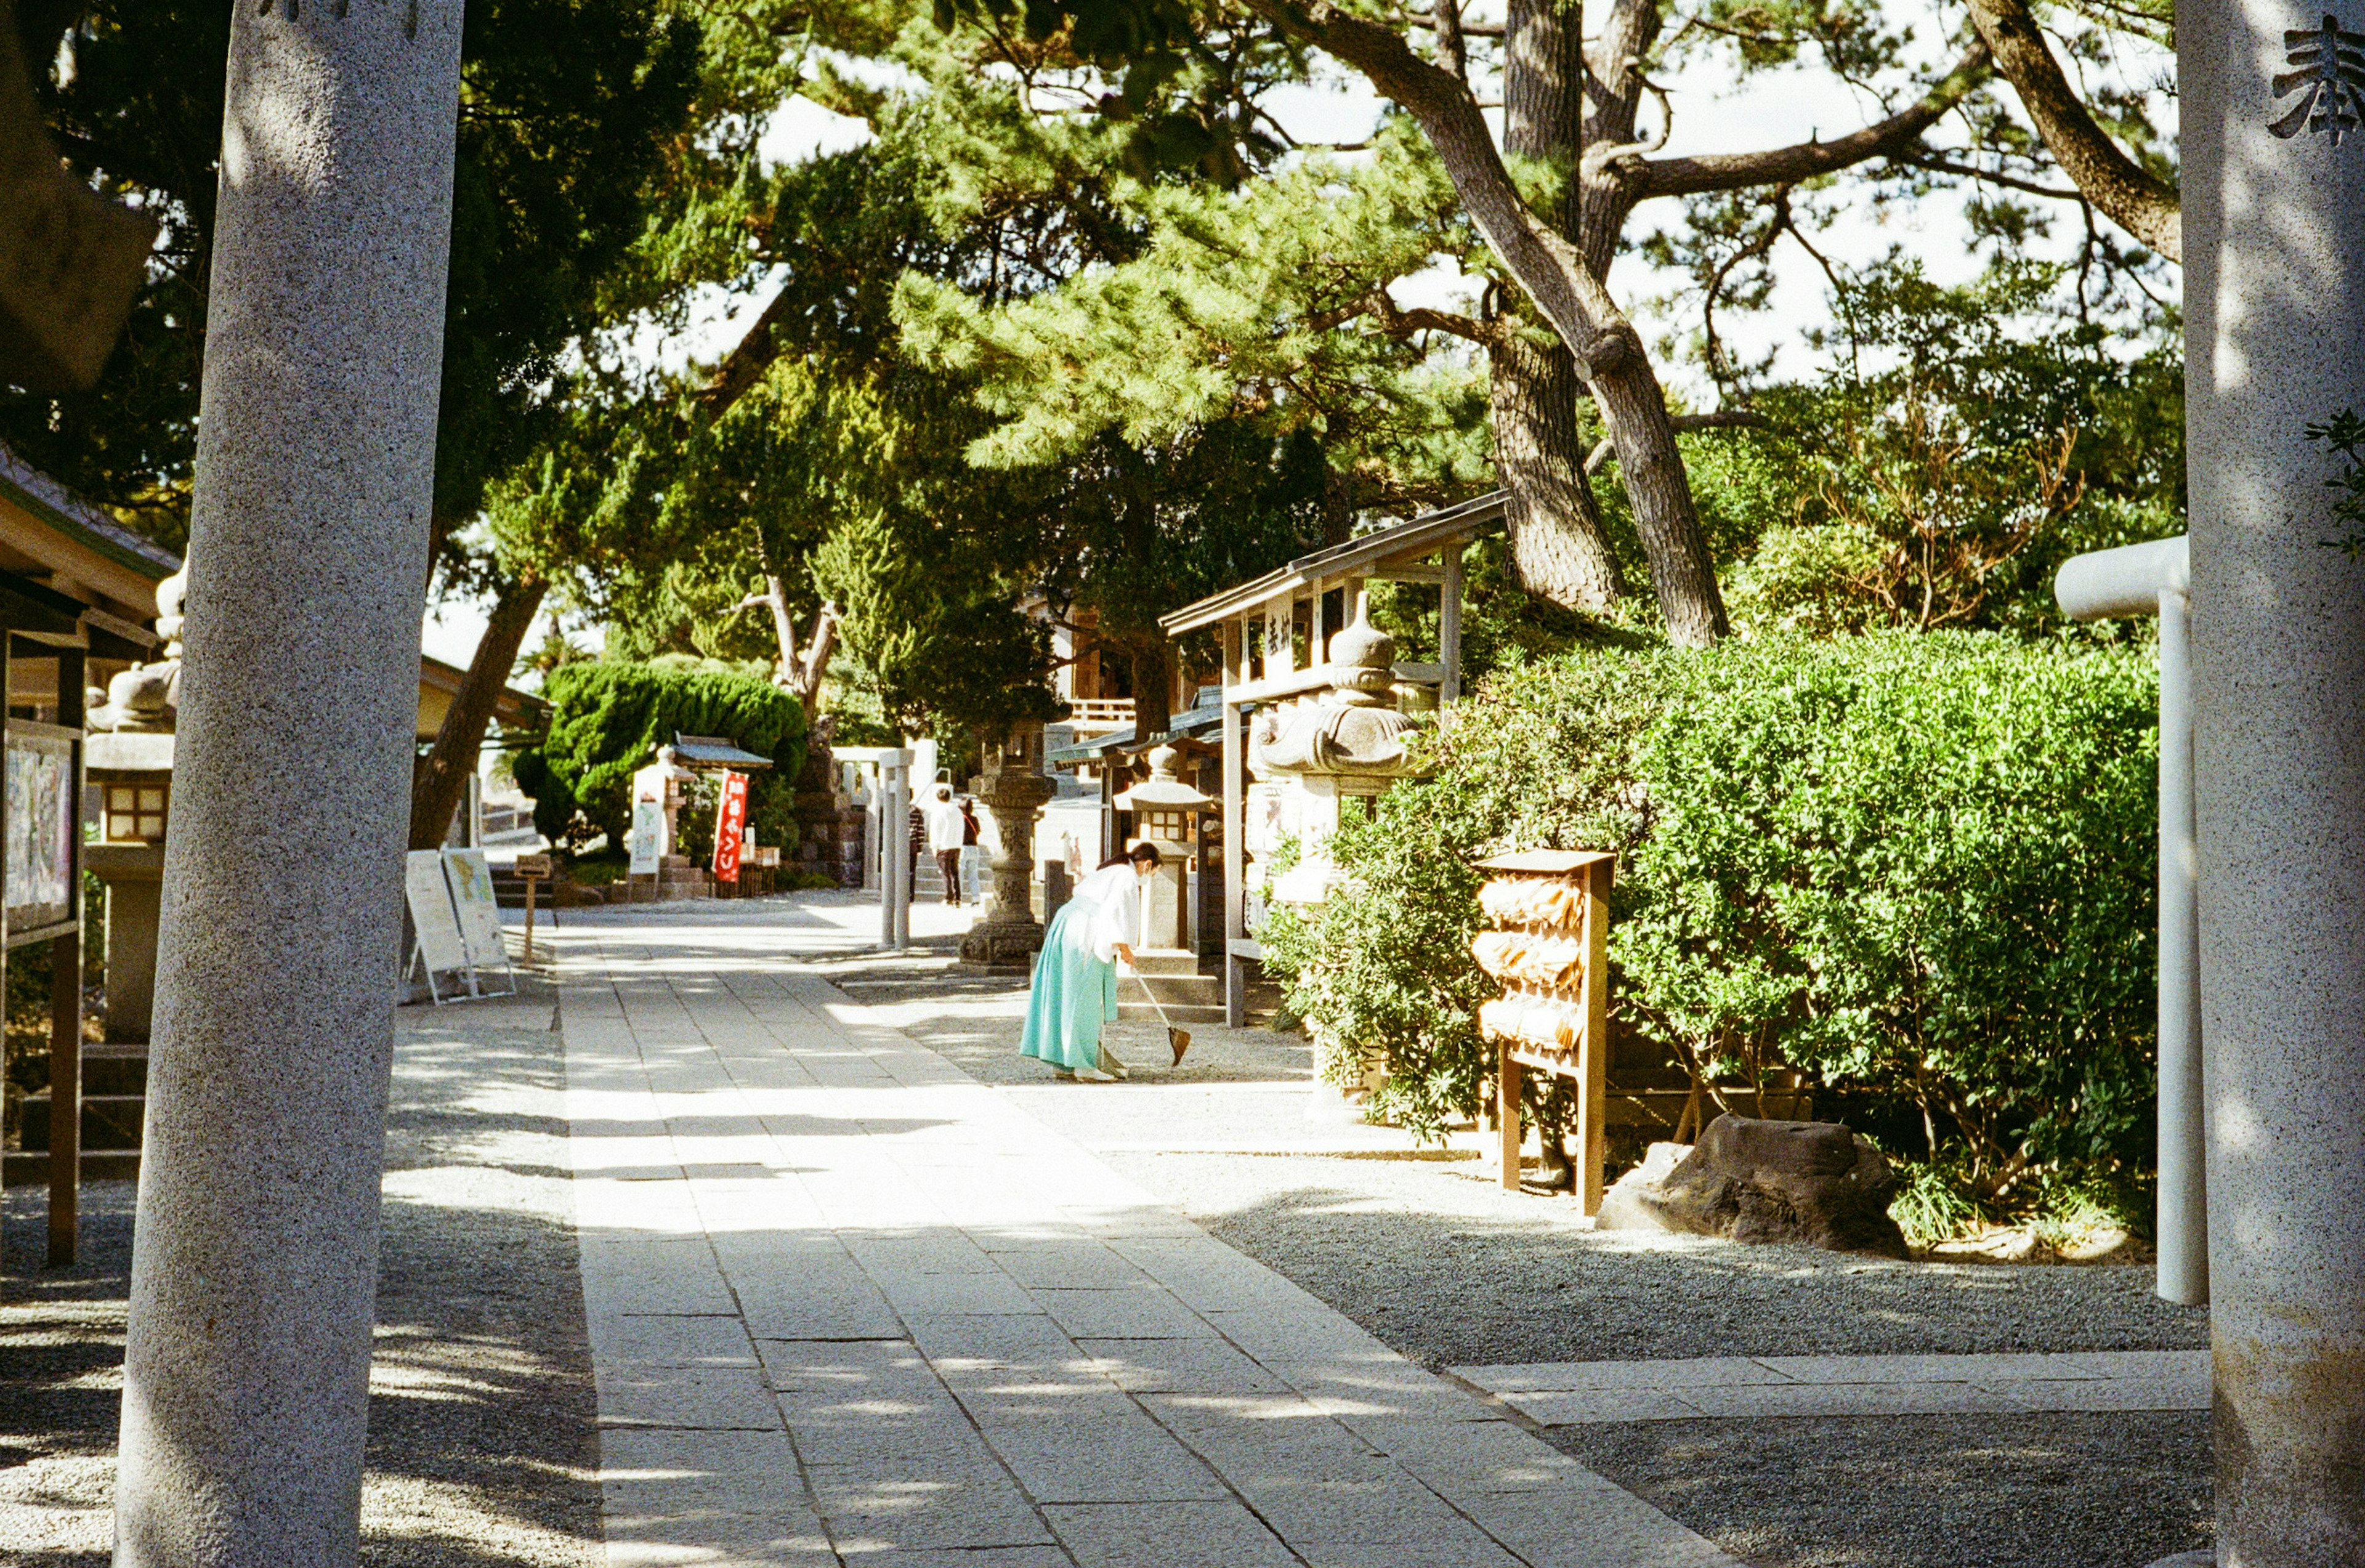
(730, 826)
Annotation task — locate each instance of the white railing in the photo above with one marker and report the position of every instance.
(1100, 713)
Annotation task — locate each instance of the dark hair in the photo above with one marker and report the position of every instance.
(1145, 852)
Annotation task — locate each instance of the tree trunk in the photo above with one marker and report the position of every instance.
(1153, 688)
(1627, 392)
(1558, 549)
(1571, 296)
(442, 778)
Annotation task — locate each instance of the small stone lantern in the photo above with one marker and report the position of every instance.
(1166, 813)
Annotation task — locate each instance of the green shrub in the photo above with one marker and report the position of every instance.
(1920, 868)
(607, 722)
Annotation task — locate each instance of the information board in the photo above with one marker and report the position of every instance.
(40, 806)
(428, 894)
(480, 916)
(648, 833)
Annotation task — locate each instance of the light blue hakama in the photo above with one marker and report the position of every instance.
(1074, 995)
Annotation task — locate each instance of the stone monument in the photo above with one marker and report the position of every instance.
(1014, 789)
(2274, 251)
(254, 1271)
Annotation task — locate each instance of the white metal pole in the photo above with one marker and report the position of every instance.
(2152, 579)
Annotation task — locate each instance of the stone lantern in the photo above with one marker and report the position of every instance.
(1166, 813)
(128, 759)
(1013, 790)
(1321, 755)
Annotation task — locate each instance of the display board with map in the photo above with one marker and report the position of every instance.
(41, 825)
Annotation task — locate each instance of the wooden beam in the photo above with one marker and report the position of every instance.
(1235, 791)
(65, 1004)
(1593, 1088)
(1449, 627)
(1507, 1113)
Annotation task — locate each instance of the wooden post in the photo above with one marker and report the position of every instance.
(1593, 1089)
(1279, 636)
(1507, 1113)
(1449, 628)
(65, 1004)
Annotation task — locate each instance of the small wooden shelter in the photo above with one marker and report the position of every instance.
(1276, 631)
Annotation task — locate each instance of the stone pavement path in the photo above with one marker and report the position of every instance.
(1568, 1394)
(847, 1307)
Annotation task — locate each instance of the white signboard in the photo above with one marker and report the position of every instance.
(441, 945)
(480, 917)
(648, 834)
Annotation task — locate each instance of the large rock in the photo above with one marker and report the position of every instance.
(1809, 1183)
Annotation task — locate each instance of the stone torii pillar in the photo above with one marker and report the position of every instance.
(255, 1267)
(2274, 250)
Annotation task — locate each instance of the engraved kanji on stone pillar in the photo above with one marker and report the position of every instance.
(2330, 80)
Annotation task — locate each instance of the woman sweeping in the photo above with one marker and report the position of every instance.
(1074, 993)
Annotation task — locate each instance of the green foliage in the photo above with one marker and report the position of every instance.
(568, 110)
(2343, 435)
(608, 719)
(1917, 867)
(1967, 441)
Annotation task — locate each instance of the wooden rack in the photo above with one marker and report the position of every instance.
(1585, 1060)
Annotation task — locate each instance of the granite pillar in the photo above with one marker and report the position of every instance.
(254, 1271)
(2274, 247)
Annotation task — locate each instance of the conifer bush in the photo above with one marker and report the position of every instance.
(608, 719)
(1920, 868)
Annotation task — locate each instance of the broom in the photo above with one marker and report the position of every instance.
(1178, 1038)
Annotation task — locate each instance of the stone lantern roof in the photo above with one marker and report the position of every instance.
(1164, 790)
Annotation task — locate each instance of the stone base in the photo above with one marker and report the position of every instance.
(999, 943)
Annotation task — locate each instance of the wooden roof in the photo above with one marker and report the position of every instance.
(1356, 558)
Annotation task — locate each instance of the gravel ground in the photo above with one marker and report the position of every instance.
(483, 1447)
(1922, 1491)
(1439, 1261)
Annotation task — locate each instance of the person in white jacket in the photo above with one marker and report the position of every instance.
(947, 828)
(1074, 995)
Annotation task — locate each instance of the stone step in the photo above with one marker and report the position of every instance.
(109, 1121)
(1176, 1012)
(1156, 961)
(1176, 991)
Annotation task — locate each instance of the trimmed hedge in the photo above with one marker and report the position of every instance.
(1921, 867)
(608, 719)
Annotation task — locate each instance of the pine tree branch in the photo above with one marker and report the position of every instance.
(2144, 206)
(1644, 178)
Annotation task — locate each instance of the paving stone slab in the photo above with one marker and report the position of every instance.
(1168, 1535)
(1179, 1366)
(720, 1340)
(649, 1470)
(1133, 1312)
(721, 1398)
(1560, 1377)
(1852, 1399)
(1103, 1458)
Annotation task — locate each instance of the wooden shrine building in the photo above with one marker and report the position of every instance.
(1275, 633)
